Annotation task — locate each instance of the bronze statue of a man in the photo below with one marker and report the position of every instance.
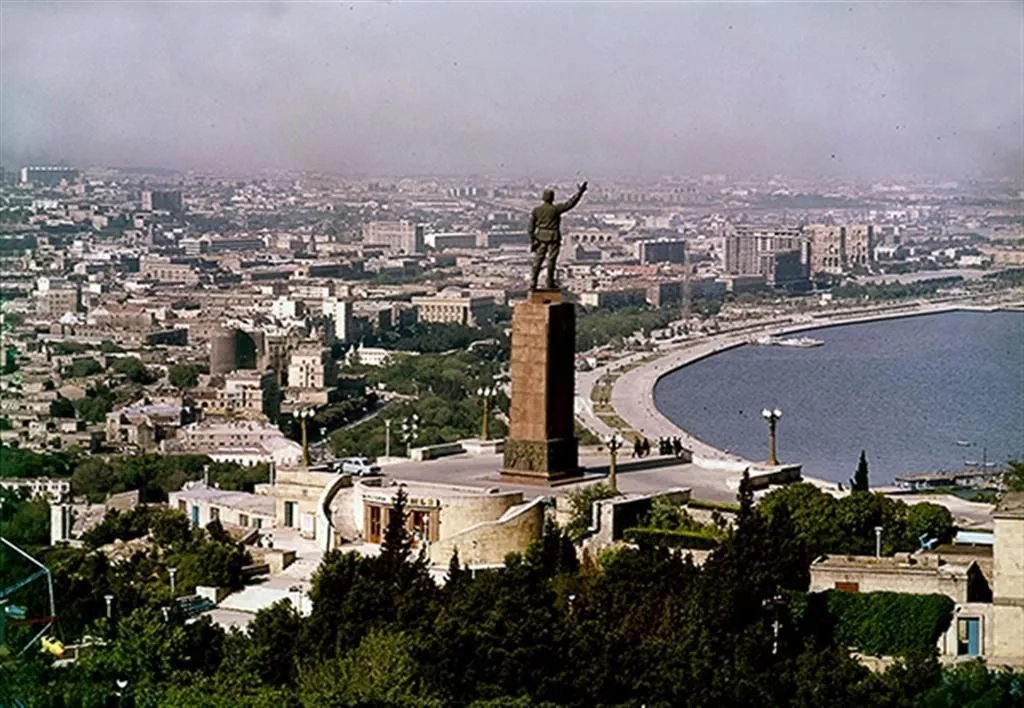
(546, 234)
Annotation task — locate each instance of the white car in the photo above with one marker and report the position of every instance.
(359, 466)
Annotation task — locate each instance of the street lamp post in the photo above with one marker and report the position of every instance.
(410, 428)
(772, 416)
(387, 438)
(485, 393)
(878, 542)
(304, 415)
(110, 605)
(172, 571)
(614, 443)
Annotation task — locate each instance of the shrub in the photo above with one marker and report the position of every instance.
(885, 623)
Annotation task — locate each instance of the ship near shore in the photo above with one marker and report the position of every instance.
(800, 342)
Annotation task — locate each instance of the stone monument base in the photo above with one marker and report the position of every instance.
(541, 461)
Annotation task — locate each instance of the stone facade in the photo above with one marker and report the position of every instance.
(541, 446)
(1008, 579)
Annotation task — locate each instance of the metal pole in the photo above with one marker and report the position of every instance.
(387, 438)
(878, 542)
(483, 423)
(305, 440)
(772, 459)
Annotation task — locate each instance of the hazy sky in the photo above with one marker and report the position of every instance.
(849, 89)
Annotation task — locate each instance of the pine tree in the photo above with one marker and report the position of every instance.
(859, 483)
(745, 497)
(456, 572)
(397, 546)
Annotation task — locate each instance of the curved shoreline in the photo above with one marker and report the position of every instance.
(643, 415)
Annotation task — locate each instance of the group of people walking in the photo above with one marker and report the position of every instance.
(666, 446)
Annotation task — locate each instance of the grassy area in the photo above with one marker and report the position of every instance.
(713, 506)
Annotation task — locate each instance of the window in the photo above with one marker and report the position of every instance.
(243, 519)
(182, 506)
(214, 514)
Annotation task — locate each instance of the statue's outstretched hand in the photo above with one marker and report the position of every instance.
(582, 186)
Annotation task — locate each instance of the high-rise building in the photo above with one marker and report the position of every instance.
(837, 248)
(311, 367)
(399, 236)
(779, 253)
(662, 250)
(340, 312)
(162, 200)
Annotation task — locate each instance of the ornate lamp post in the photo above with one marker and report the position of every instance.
(110, 605)
(410, 429)
(172, 571)
(485, 393)
(614, 443)
(772, 416)
(878, 542)
(304, 414)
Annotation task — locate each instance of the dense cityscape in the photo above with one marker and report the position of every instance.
(312, 437)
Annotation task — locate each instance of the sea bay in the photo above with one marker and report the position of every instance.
(905, 390)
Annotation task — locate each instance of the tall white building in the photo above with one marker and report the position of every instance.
(340, 312)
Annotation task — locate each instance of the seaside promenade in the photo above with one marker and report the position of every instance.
(632, 395)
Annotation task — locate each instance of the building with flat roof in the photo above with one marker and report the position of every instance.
(454, 308)
(203, 505)
(397, 236)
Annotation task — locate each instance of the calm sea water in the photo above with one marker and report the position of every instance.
(903, 390)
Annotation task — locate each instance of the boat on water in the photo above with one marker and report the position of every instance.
(963, 443)
(799, 342)
(984, 460)
(770, 341)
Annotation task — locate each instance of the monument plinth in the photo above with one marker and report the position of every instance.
(541, 445)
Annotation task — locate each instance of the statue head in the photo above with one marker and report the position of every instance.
(549, 196)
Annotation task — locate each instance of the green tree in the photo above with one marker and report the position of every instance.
(859, 483)
(62, 408)
(183, 375)
(24, 521)
(581, 505)
(134, 370)
(274, 643)
(381, 671)
(1013, 479)
(85, 366)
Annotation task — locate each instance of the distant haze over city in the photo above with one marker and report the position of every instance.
(850, 90)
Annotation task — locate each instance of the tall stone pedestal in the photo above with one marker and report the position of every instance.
(541, 446)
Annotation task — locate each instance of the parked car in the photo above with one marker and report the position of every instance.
(359, 466)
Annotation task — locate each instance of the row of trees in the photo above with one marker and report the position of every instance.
(643, 626)
(440, 390)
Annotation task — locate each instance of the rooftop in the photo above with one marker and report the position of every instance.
(1011, 507)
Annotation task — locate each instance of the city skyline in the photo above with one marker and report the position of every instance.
(857, 91)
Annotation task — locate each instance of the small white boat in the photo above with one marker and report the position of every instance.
(799, 342)
(963, 443)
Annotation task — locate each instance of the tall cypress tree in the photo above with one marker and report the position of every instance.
(859, 483)
(745, 497)
(396, 548)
